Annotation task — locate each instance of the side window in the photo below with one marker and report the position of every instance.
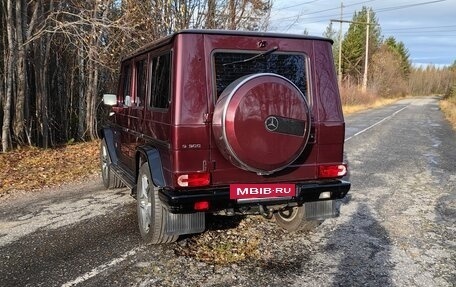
(160, 84)
(141, 82)
(126, 84)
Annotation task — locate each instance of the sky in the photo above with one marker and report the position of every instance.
(426, 27)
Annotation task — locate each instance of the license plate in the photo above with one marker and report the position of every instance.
(266, 190)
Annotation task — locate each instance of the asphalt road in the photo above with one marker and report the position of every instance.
(397, 226)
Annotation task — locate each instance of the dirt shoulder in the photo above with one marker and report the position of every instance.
(448, 107)
(32, 168)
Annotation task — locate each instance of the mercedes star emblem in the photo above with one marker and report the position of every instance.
(271, 123)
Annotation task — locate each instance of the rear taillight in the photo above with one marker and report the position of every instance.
(193, 179)
(332, 171)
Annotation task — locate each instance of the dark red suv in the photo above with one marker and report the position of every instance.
(226, 122)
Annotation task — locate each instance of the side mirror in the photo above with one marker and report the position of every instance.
(127, 101)
(110, 99)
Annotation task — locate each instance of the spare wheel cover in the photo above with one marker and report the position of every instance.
(261, 122)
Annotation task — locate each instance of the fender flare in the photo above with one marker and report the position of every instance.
(152, 155)
(108, 135)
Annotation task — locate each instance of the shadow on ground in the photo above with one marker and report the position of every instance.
(365, 249)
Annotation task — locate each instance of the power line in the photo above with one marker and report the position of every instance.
(324, 10)
(419, 28)
(380, 10)
(387, 9)
(337, 8)
(426, 31)
(293, 6)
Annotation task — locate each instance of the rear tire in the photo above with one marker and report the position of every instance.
(293, 219)
(109, 179)
(151, 214)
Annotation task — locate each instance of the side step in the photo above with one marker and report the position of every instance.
(124, 176)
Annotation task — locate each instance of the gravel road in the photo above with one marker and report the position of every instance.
(397, 226)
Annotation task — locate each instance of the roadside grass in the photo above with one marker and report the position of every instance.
(351, 109)
(448, 107)
(30, 168)
(354, 100)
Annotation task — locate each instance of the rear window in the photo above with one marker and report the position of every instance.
(229, 67)
(141, 81)
(160, 83)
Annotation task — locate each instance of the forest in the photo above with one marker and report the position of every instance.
(59, 56)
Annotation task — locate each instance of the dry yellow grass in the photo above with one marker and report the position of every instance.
(448, 107)
(355, 100)
(350, 109)
(30, 168)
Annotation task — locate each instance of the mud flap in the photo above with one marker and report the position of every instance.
(320, 210)
(185, 223)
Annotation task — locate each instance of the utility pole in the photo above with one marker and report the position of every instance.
(339, 72)
(367, 23)
(367, 53)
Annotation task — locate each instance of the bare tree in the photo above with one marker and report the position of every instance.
(8, 75)
(58, 56)
(244, 14)
(386, 78)
(210, 16)
(24, 28)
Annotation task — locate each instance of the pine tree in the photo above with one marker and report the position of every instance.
(354, 43)
(332, 34)
(399, 49)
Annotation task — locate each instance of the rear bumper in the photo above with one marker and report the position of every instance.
(219, 198)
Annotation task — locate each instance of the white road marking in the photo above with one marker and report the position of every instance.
(97, 270)
(377, 123)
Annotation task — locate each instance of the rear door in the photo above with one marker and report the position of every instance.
(130, 115)
(232, 64)
(157, 119)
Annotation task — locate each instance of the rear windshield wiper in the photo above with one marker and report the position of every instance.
(265, 53)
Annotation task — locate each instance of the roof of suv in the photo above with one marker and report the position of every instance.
(168, 39)
(251, 33)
